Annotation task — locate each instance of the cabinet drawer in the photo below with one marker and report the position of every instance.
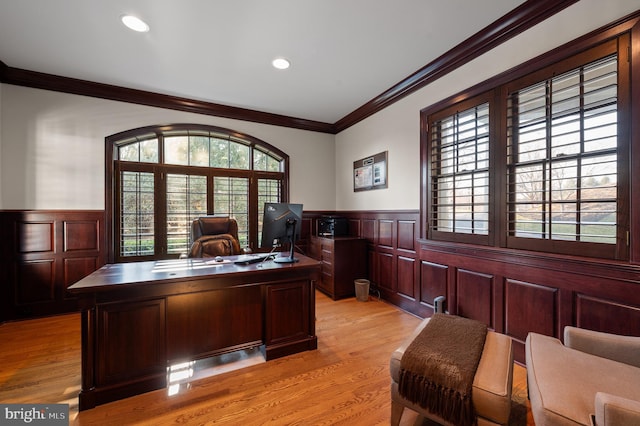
(342, 260)
(326, 255)
(326, 268)
(327, 276)
(325, 283)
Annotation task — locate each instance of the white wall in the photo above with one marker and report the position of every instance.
(52, 149)
(52, 144)
(397, 128)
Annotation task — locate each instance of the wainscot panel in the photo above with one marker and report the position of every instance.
(529, 307)
(516, 292)
(474, 292)
(42, 253)
(434, 281)
(407, 277)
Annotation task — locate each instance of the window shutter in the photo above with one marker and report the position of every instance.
(562, 156)
(460, 172)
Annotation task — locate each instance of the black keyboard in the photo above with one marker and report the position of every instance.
(254, 258)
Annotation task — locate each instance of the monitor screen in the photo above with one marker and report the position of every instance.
(281, 224)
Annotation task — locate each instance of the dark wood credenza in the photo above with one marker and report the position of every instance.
(343, 259)
(139, 318)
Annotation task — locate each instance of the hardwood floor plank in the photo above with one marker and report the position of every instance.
(344, 382)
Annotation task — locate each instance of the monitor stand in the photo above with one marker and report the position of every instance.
(290, 259)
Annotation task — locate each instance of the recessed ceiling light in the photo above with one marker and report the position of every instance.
(281, 63)
(135, 23)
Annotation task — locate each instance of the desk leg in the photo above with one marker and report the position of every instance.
(289, 319)
(312, 310)
(123, 351)
(86, 398)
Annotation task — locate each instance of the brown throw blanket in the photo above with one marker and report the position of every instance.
(438, 367)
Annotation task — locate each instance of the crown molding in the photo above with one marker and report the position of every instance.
(75, 86)
(530, 13)
(3, 70)
(520, 19)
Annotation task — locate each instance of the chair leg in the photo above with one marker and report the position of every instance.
(396, 412)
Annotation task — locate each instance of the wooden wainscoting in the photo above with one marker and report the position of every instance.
(43, 253)
(516, 292)
(392, 255)
(513, 291)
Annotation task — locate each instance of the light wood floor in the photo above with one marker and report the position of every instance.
(345, 381)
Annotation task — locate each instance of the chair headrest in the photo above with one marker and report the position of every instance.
(212, 225)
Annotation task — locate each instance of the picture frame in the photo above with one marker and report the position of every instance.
(370, 172)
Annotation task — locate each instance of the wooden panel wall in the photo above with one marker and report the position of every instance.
(393, 262)
(517, 292)
(514, 292)
(43, 253)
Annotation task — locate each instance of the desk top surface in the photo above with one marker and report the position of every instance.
(113, 275)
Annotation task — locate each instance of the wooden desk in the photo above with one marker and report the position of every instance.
(139, 318)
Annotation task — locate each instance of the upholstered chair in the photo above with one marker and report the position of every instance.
(593, 379)
(214, 236)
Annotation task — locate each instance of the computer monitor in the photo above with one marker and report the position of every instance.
(282, 223)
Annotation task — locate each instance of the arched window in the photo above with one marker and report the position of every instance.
(158, 179)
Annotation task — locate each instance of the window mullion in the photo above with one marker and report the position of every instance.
(160, 208)
(474, 190)
(210, 192)
(513, 153)
(454, 180)
(254, 210)
(161, 155)
(578, 214)
(548, 175)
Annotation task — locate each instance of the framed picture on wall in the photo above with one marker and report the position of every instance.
(370, 172)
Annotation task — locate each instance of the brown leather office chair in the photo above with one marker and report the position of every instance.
(214, 236)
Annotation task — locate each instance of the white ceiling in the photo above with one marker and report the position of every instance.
(343, 52)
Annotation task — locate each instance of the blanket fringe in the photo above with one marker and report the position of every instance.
(449, 404)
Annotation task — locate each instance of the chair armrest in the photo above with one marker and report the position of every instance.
(619, 348)
(614, 410)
